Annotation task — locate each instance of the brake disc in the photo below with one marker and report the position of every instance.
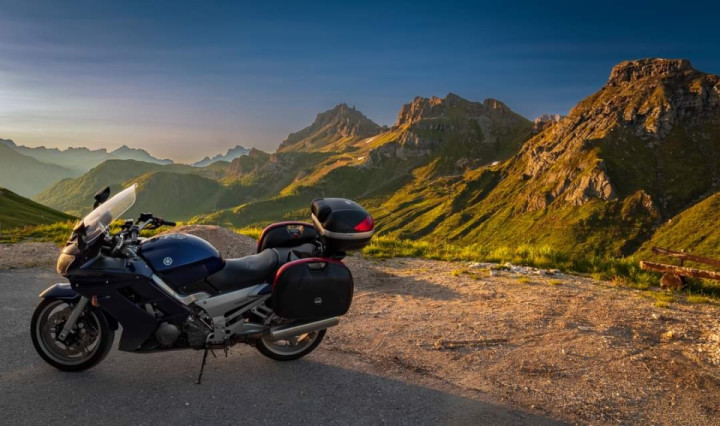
(81, 337)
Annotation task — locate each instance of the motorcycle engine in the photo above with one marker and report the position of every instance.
(196, 333)
(166, 334)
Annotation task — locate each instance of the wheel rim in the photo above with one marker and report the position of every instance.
(293, 345)
(79, 346)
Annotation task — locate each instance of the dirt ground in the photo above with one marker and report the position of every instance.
(568, 347)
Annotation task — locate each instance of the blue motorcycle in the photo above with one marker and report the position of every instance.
(175, 291)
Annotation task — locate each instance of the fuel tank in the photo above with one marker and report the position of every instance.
(181, 259)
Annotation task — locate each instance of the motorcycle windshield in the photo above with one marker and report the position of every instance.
(98, 220)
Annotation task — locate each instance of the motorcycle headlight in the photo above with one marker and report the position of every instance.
(63, 263)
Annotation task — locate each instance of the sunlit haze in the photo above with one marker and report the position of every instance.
(188, 79)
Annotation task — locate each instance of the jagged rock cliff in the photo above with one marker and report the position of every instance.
(462, 134)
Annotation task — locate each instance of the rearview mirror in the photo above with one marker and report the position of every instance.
(101, 197)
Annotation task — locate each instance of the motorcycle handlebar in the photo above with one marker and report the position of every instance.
(155, 222)
(160, 221)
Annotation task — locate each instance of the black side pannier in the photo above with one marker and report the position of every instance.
(343, 224)
(286, 234)
(313, 288)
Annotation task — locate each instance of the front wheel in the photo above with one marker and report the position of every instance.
(291, 348)
(87, 344)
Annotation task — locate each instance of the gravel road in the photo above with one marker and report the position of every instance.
(326, 387)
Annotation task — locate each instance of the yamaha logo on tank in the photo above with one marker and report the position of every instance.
(167, 261)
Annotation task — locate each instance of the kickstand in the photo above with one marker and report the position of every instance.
(202, 366)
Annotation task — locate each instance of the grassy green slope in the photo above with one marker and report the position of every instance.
(349, 182)
(695, 230)
(175, 196)
(75, 196)
(18, 211)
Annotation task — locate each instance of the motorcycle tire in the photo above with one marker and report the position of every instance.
(50, 349)
(271, 350)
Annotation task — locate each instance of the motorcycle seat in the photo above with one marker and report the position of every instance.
(257, 268)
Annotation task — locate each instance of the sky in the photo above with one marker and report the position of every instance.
(188, 79)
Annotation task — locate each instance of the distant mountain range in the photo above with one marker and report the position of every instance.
(232, 154)
(80, 160)
(633, 164)
(28, 171)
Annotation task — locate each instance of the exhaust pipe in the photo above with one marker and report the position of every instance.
(285, 331)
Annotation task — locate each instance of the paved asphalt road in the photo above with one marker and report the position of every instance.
(246, 388)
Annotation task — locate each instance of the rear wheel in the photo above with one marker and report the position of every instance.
(87, 344)
(292, 348)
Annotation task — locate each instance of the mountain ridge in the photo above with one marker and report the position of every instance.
(601, 179)
(230, 155)
(81, 159)
(444, 136)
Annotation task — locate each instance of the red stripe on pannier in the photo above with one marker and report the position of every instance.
(301, 261)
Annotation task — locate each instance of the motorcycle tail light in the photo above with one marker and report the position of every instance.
(366, 225)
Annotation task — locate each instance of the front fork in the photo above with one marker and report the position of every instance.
(72, 319)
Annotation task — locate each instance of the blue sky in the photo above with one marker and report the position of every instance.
(186, 79)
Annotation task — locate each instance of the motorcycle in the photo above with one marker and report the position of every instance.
(175, 291)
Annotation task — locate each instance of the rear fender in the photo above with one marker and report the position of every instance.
(63, 291)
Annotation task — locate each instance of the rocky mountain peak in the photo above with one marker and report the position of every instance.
(629, 71)
(458, 133)
(433, 107)
(340, 113)
(342, 121)
(658, 115)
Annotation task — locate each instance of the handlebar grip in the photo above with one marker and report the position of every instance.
(169, 223)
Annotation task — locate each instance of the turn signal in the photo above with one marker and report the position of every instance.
(94, 301)
(366, 225)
